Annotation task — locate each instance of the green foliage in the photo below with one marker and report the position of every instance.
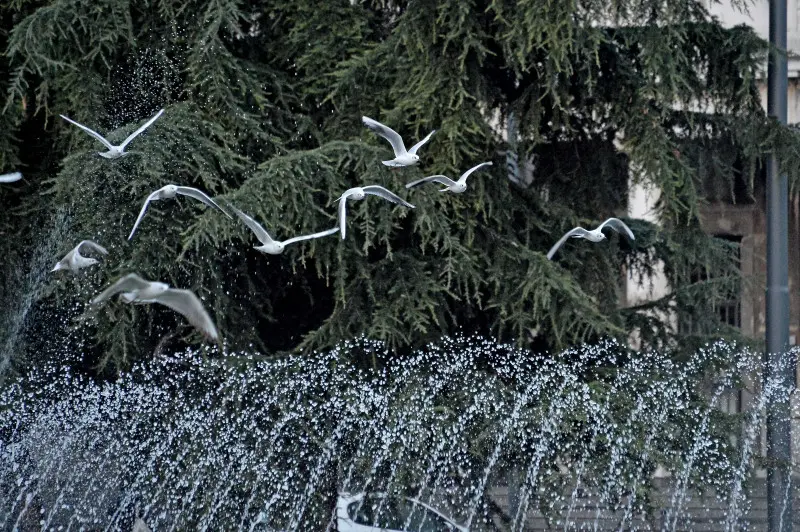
(263, 103)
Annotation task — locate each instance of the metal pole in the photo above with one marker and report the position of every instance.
(779, 506)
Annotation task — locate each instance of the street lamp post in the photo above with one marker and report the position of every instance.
(779, 496)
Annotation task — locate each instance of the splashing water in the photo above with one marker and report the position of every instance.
(18, 303)
(242, 444)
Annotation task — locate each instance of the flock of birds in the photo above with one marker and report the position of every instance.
(134, 289)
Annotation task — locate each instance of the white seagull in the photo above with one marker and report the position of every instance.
(171, 191)
(359, 193)
(595, 235)
(401, 156)
(136, 290)
(10, 178)
(268, 244)
(74, 261)
(114, 152)
(456, 187)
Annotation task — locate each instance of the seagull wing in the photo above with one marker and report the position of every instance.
(255, 227)
(10, 178)
(465, 175)
(190, 306)
(140, 130)
(419, 144)
(578, 232)
(343, 215)
(202, 196)
(619, 226)
(388, 133)
(150, 198)
(309, 237)
(91, 245)
(126, 283)
(377, 190)
(92, 132)
(443, 179)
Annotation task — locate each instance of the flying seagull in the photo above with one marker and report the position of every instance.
(136, 290)
(359, 193)
(114, 152)
(169, 192)
(595, 235)
(74, 261)
(453, 186)
(268, 244)
(401, 156)
(10, 178)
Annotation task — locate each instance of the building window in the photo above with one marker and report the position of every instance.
(730, 309)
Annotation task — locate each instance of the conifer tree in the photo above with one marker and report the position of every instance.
(263, 109)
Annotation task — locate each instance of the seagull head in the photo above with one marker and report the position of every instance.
(415, 158)
(170, 191)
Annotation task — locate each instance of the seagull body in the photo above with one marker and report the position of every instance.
(137, 290)
(140, 526)
(359, 193)
(74, 261)
(595, 235)
(268, 244)
(170, 192)
(402, 157)
(457, 187)
(114, 152)
(10, 178)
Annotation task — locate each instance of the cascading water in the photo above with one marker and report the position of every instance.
(26, 287)
(238, 444)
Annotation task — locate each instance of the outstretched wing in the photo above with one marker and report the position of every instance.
(419, 144)
(309, 237)
(92, 132)
(342, 215)
(202, 196)
(578, 232)
(465, 175)
(388, 133)
(140, 130)
(619, 226)
(91, 245)
(124, 284)
(377, 190)
(443, 179)
(255, 227)
(10, 178)
(150, 198)
(190, 306)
